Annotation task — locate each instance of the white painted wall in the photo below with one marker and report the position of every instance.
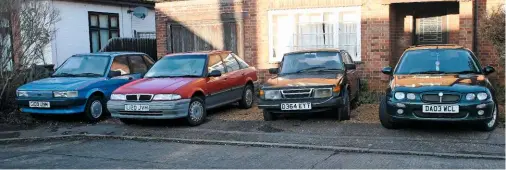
(72, 31)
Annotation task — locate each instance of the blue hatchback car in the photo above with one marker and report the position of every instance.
(83, 84)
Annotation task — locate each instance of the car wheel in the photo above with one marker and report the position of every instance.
(95, 109)
(196, 112)
(269, 116)
(128, 121)
(344, 112)
(490, 124)
(385, 118)
(247, 97)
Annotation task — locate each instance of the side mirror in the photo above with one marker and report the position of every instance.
(114, 73)
(488, 70)
(387, 70)
(214, 73)
(350, 66)
(273, 70)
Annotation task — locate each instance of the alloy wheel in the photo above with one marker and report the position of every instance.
(196, 111)
(96, 109)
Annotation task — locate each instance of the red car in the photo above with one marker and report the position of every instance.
(185, 86)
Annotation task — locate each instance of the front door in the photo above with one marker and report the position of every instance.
(215, 85)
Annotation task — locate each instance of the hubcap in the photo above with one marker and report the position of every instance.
(196, 111)
(249, 97)
(494, 115)
(96, 109)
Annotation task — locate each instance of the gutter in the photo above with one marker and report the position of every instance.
(475, 26)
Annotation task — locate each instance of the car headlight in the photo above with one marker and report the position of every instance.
(22, 93)
(470, 96)
(167, 97)
(118, 97)
(399, 95)
(322, 93)
(272, 94)
(482, 96)
(411, 96)
(65, 93)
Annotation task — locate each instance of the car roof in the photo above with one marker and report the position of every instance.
(435, 46)
(315, 50)
(111, 54)
(198, 53)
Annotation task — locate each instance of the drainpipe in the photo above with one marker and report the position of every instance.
(475, 26)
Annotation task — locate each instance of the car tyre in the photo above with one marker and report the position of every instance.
(269, 116)
(196, 112)
(345, 110)
(385, 118)
(95, 109)
(490, 124)
(247, 97)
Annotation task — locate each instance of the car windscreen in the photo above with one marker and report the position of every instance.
(178, 66)
(437, 61)
(311, 61)
(83, 66)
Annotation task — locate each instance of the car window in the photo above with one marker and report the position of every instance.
(215, 63)
(230, 62)
(120, 63)
(437, 61)
(311, 61)
(149, 61)
(178, 66)
(83, 66)
(346, 58)
(137, 64)
(242, 63)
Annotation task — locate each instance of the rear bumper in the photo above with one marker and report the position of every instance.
(317, 105)
(157, 109)
(467, 112)
(57, 106)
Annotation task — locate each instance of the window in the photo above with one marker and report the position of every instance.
(148, 61)
(291, 30)
(103, 26)
(178, 66)
(137, 64)
(437, 61)
(346, 58)
(231, 63)
(215, 63)
(120, 64)
(242, 63)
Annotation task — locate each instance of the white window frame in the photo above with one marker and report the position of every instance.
(294, 12)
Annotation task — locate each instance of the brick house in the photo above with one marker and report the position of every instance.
(375, 32)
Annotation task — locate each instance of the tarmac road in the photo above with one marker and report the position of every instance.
(109, 153)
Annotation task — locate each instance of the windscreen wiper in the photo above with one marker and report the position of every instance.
(428, 72)
(89, 74)
(64, 75)
(463, 72)
(310, 68)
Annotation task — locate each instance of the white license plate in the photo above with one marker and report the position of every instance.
(440, 108)
(137, 107)
(39, 104)
(295, 106)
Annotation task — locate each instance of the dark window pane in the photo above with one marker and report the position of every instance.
(148, 61)
(120, 64)
(104, 21)
(114, 22)
(311, 61)
(94, 41)
(94, 20)
(137, 64)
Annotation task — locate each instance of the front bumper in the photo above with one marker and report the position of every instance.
(317, 105)
(157, 109)
(467, 112)
(57, 105)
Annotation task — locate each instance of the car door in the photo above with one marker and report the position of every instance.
(351, 74)
(215, 85)
(234, 78)
(119, 63)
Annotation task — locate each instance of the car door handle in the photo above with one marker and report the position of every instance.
(243, 74)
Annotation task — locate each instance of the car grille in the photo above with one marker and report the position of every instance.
(420, 114)
(296, 93)
(139, 97)
(446, 98)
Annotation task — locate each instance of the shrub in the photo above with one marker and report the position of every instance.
(492, 28)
